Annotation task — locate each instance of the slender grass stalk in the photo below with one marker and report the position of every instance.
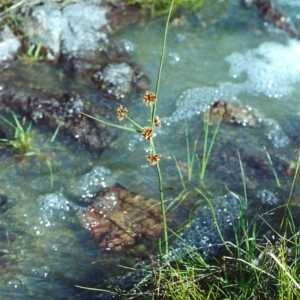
(161, 64)
(163, 208)
(190, 157)
(243, 175)
(273, 168)
(56, 131)
(296, 284)
(294, 180)
(179, 172)
(291, 190)
(48, 163)
(207, 148)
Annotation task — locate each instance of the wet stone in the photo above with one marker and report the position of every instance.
(268, 197)
(78, 29)
(202, 233)
(232, 113)
(9, 45)
(118, 219)
(82, 189)
(115, 80)
(60, 109)
(268, 11)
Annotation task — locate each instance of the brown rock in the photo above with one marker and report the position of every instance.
(232, 113)
(118, 218)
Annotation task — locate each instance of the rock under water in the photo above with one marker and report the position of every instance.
(118, 219)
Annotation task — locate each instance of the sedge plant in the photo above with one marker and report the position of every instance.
(147, 133)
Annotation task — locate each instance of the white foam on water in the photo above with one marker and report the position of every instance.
(53, 206)
(196, 100)
(272, 68)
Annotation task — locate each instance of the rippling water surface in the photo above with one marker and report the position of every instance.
(221, 54)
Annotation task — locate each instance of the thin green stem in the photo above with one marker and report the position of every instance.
(162, 202)
(163, 209)
(187, 150)
(206, 152)
(8, 122)
(112, 124)
(180, 173)
(161, 64)
(243, 175)
(294, 180)
(273, 168)
(134, 123)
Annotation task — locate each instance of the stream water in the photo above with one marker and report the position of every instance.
(223, 53)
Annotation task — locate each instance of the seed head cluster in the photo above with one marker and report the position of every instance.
(149, 98)
(147, 133)
(157, 121)
(122, 112)
(153, 159)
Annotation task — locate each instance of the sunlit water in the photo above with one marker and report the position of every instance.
(224, 54)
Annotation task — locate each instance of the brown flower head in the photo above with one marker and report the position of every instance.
(157, 121)
(122, 112)
(153, 159)
(147, 133)
(149, 98)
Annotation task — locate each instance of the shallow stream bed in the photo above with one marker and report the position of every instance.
(225, 53)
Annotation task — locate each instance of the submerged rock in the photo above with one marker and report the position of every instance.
(115, 80)
(9, 45)
(273, 16)
(78, 36)
(118, 219)
(76, 29)
(203, 232)
(232, 113)
(63, 110)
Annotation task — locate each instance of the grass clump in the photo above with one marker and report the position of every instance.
(22, 140)
(33, 54)
(255, 266)
(162, 7)
(269, 272)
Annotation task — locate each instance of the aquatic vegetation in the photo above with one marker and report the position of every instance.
(32, 55)
(22, 137)
(24, 142)
(162, 7)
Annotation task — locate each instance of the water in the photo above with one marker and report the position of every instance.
(222, 54)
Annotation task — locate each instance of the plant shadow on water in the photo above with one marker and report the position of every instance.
(45, 249)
